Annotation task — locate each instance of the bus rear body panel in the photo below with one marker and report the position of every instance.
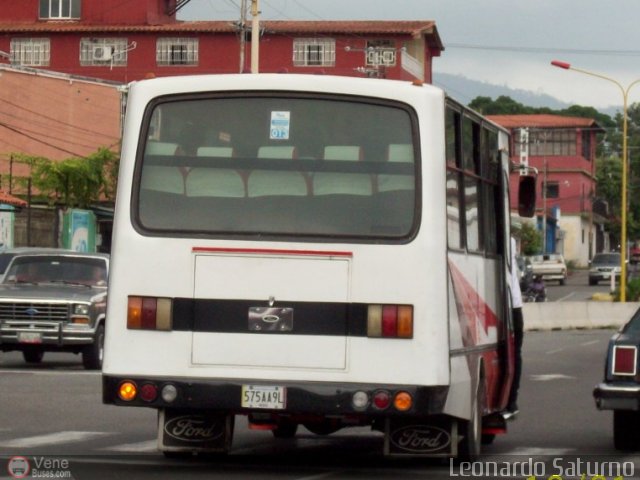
(280, 251)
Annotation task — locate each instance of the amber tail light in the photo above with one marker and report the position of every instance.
(149, 313)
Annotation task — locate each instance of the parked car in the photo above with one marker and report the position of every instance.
(55, 301)
(603, 266)
(550, 266)
(620, 390)
(525, 272)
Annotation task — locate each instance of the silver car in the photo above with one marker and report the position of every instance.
(603, 266)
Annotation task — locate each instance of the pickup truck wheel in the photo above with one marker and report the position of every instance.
(33, 355)
(92, 354)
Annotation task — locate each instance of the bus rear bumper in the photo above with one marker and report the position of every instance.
(309, 398)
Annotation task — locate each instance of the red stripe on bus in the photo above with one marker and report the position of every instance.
(325, 253)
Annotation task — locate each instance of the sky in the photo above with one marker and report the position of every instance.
(503, 42)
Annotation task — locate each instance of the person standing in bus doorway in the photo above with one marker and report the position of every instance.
(518, 332)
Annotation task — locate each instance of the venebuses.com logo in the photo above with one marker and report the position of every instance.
(38, 467)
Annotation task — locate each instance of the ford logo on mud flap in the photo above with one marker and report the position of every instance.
(420, 438)
(271, 318)
(193, 428)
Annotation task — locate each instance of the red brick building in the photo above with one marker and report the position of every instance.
(133, 39)
(563, 150)
(61, 62)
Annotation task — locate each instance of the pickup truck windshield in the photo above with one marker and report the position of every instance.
(278, 165)
(54, 269)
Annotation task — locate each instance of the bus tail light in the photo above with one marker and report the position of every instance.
(390, 321)
(402, 401)
(149, 313)
(127, 391)
(624, 360)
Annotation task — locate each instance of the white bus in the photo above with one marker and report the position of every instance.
(312, 251)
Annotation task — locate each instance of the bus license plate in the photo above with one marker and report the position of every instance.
(262, 396)
(29, 337)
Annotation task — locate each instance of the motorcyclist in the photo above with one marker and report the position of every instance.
(537, 289)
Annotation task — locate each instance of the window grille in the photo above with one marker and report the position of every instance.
(314, 52)
(177, 51)
(31, 52)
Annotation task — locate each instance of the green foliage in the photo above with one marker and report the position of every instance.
(73, 182)
(505, 105)
(633, 291)
(530, 238)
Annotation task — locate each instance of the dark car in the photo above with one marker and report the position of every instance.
(603, 266)
(55, 301)
(620, 390)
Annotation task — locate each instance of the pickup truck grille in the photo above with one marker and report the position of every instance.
(34, 311)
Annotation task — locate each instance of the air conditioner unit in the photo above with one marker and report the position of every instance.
(101, 53)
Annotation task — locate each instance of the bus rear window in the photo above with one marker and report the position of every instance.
(278, 166)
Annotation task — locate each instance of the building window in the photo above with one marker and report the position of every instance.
(549, 142)
(60, 9)
(103, 51)
(177, 51)
(586, 144)
(381, 53)
(552, 189)
(31, 52)
(314, 52)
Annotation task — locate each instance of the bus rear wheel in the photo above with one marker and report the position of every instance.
(471, 444)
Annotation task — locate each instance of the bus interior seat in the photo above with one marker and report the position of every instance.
(159, 177)
(278, 151)
(215, 182)
(215, 152)
(277, 182)
(398, 153)
(161, 148)
(327, 183)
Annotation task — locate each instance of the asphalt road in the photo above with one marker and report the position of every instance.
(575, 289)
(54, 413)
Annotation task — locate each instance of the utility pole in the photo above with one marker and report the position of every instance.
(255, 37)
(243, 33)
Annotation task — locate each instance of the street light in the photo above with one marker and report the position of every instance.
(623, 215)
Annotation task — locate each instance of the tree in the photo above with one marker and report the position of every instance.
(75, 182)
(530, 238)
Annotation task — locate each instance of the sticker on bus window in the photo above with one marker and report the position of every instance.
(280, 122)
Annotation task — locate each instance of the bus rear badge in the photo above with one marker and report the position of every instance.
(270, 319)
(419, 439)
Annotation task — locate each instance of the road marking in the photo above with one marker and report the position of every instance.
(566, 297)
(139, 447)
(51, 439)
(550, 376)
(592, 342)
(537, 451)
(25, 371)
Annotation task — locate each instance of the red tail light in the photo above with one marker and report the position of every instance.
(390, 321)
(624, 360)
(149, 313)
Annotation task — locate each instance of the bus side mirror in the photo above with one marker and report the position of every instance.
(527, 196)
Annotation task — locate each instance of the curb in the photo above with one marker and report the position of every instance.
(577, 315)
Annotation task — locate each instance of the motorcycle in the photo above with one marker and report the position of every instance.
(536, 292)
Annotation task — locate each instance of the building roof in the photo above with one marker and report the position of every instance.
(395, 27)
(544, 121)
(7, 199)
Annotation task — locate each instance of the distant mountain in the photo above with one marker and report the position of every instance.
(465, 90)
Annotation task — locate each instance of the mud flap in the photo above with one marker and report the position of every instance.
(194, 431)
(423, 437)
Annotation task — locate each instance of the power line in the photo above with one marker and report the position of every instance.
(577, 51)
